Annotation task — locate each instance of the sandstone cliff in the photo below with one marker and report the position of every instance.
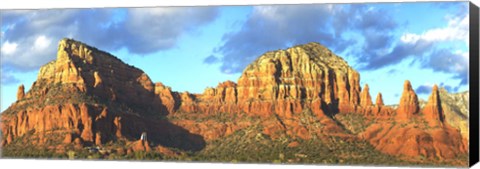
(285, 82)
(92, 96)
(305, 76)
(89, 97)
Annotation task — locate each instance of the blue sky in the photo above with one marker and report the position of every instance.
(191, 48)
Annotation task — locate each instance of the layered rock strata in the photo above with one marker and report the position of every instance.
(90, 97)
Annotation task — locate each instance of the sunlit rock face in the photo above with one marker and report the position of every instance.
(88, 97)
(286, 82)
(455, 109)
(305, 76)
(417, 132)
(408, 105)
(433, 109)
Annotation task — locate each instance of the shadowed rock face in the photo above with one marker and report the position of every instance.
(90, 98)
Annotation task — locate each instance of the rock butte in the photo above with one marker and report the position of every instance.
(433, 110)
(379, 101)
(408, 103)
(91, 97)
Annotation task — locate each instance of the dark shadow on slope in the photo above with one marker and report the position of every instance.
(159, 131)
(330, 109)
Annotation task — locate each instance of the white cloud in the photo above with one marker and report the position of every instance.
(451, 58)
(29, 53)
(410, 38)
(139, 12)
(284, 15)
(456, 30)
(153, 29)
(140, 30)
(461, 63)
(9, 48)
(462, 53)
(41, 43)
(267, 12)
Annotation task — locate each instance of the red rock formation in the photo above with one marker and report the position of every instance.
(85, 120)
(378, 110)
(285, 82)
(285, 77)
(433, 110)
(413, 140)
(118, 127)
(166, 96)
(98, 79)
(166, 151)
(83, 69)
(98, 138)
(223, 98)
(379, 101)
(95, 98)
(227, 90)
(20, 92)
(410, 136)
(187, 101)
(141, 145)
(68, 139)
(408, 103)
(365, 99)
(90, 94)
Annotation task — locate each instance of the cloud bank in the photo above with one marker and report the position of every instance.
(367, 34)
